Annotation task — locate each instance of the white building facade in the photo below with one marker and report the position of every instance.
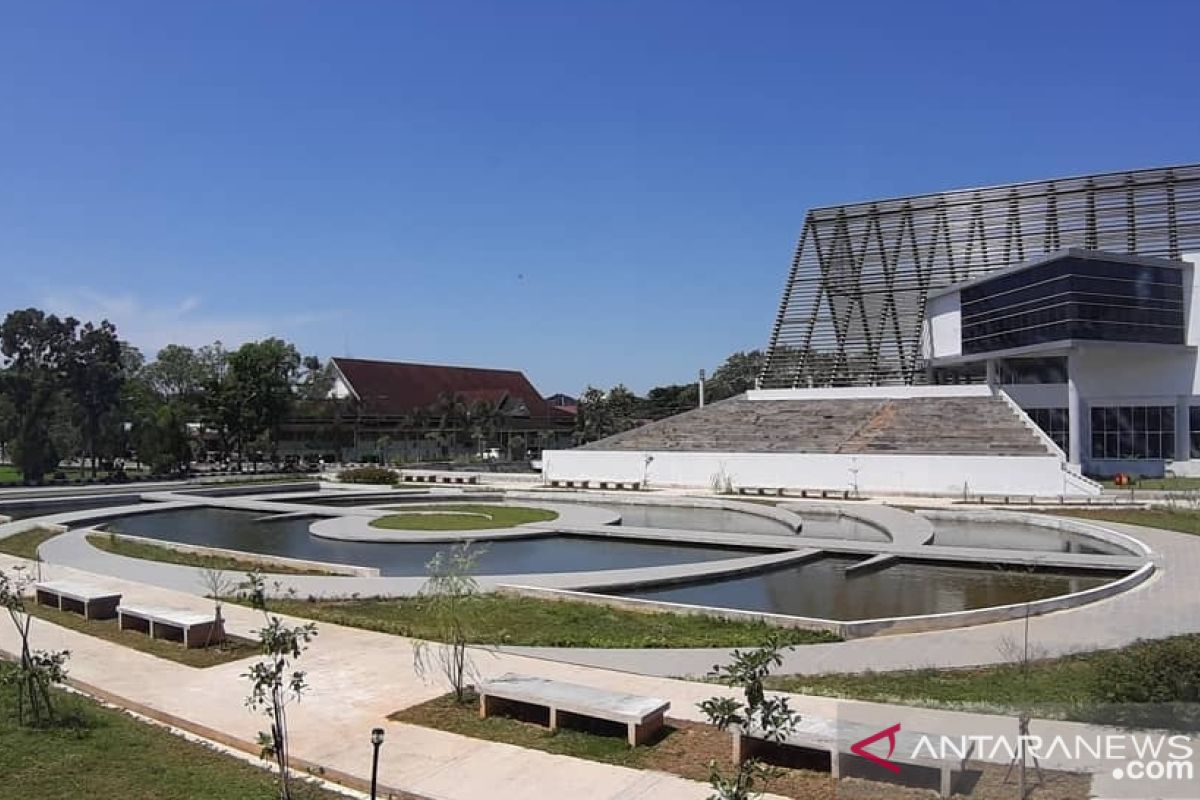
(1099, 348)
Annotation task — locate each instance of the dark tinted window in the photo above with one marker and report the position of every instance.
(1074, 298)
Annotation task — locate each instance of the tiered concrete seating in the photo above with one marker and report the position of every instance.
(942, 425)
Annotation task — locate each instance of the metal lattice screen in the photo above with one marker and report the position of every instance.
(854, 305)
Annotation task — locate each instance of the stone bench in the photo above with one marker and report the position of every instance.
(778, 491)
(820, 735)
(91, 601)
(632, 486)
(440, 477)
(193, 629)
(642, 716)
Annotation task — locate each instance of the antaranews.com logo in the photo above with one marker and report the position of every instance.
(1127, 763)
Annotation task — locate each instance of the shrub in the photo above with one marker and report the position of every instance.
(1161, 671)
(368, 475)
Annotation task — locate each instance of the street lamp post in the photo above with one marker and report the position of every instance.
(376, 741)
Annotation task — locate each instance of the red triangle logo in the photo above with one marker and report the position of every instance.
(859, 748)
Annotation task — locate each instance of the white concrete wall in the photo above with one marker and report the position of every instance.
(1038, 395)
(876, 474)
(1191, 295)
(943, 326)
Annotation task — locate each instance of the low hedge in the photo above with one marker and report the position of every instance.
(375, 475)
(1160, 671)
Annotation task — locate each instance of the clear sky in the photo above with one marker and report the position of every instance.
(589, 191)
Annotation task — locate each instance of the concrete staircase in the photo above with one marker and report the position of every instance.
(979, 425)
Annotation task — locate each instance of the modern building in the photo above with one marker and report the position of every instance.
(1067, 301)
(417, 412)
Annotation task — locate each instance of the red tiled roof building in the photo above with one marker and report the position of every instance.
(412, 412)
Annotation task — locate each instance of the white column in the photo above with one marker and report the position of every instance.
(993, 373)
(1183, 443)
(1074, 414)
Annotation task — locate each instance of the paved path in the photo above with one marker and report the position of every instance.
(359, 677)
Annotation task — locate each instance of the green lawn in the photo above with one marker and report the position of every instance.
(1154, 683)
(167, 555)
(470, 517)
(1169, 519)
(26, 543)
(505, 619)
(1159, 484)
(104, 753)
(10, 474)
(233, 649)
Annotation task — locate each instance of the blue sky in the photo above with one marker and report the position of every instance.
(592, 192)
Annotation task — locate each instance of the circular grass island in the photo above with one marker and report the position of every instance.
(460, 517)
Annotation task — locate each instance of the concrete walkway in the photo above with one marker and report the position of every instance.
(358, 678)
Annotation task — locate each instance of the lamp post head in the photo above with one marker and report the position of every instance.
(377, 736)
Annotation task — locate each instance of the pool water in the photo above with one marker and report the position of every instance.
(1015, 536)
(239, 530)
(821, 588)
(40, 508)
(696, 519)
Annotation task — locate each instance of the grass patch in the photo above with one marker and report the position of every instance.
(1166, 484)
(1149, 683)
(232, 649)
(26, 543)
(505, 619)
(167, 555)
(1179, 520)
(687, 748)
(101, 752)
(1060, 683)
(469, 517)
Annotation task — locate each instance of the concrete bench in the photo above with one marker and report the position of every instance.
(632, 486)
(440, 477)
(91, 601)
(642, 716)
(193, 629)
(761, 491)
(821, 735)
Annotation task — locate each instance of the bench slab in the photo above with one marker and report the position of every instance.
(192, 625)
(92, 601)
(642, 715)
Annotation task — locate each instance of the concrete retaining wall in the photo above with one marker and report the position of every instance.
(873, 474)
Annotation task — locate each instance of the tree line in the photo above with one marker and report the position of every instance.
(75, 390)
(70, 389)
(603, 412)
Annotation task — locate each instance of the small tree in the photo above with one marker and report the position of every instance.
(36, 670)
(516, 448)
(769, 718)
(218, 585)
(275, 684)
(447, 592)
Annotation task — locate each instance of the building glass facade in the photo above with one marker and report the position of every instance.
(1133, 432)
(853, 306)
(1054, 422)
(1074, 298)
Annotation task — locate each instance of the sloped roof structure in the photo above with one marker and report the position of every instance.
(392, 388)
(853, 306)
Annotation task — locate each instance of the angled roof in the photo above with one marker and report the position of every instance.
(396, 387)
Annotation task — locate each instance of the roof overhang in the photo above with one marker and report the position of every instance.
(1061, 347)
(1057, 255)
